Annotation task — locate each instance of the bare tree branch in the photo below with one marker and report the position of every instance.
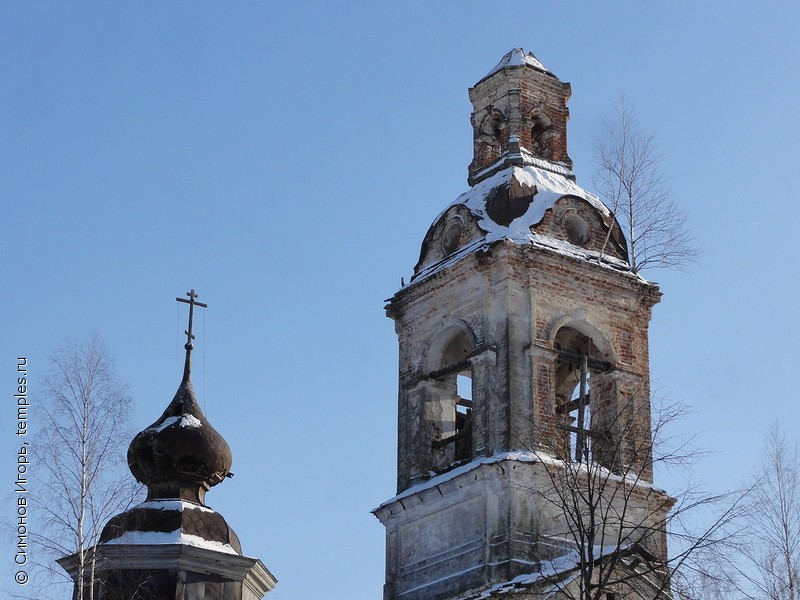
(628, 176)
(82, 478)
(770, 551)
(617, 524)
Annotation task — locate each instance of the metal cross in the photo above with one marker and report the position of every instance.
(192, 302)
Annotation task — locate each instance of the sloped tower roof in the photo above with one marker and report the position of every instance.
(517, 58)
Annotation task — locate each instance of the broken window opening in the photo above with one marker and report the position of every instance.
(463, 435)
(542, 133)
(581, 419)
(578, 412)
(579, 372)
(457, 447)
(449, 401)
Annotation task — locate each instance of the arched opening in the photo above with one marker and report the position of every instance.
(490, 134)
(542, 134)
(583, 404)
(451, 405)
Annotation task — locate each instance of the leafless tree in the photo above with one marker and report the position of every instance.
(770, 552)
(614, 525)
(82, 475)
(629, 177)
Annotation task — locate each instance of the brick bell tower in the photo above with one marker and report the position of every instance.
(523, 374)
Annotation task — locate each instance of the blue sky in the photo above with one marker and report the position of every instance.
(286, 162)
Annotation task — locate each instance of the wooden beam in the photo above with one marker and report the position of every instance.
(568, 407)
(576, 358)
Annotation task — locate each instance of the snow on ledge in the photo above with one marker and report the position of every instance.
(172, 504)
(529, 456)
(527, 158)
(549, 569)
(522, 456)
(156, 538)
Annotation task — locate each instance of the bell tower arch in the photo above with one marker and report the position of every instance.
(523, 343)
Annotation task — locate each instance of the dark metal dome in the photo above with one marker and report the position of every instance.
(180, 455)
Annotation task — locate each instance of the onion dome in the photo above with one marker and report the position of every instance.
(180, 455)
(172, 545)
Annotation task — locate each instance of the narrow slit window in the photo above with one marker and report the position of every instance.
(463, 435)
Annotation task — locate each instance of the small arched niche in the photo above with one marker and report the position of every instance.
(450, 232)
(584, 396)
(490, 133)
(450, 404)
(542, 132)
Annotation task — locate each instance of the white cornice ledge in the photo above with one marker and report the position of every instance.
(250, 571)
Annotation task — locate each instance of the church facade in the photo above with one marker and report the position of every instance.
(524, 434)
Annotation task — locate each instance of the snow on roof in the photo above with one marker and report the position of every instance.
(516, 58)
(180, 420)
(176, 504)
(550, 187)
(151, 538)
(562, 247)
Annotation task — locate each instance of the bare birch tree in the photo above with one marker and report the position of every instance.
(771, 549)
(616, 525)
(629, 177)
(80, 453)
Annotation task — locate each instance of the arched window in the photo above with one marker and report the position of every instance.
(542, 133)
(450, 408)
(583, 402)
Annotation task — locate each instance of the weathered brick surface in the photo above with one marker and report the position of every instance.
(512, 303)
(524, 102)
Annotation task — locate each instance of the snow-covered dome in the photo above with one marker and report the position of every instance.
(538, 204)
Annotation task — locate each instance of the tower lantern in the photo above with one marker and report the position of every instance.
(519, 116)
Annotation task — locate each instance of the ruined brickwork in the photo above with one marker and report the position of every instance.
(511, 301)
(523, 289)
(518, 108)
